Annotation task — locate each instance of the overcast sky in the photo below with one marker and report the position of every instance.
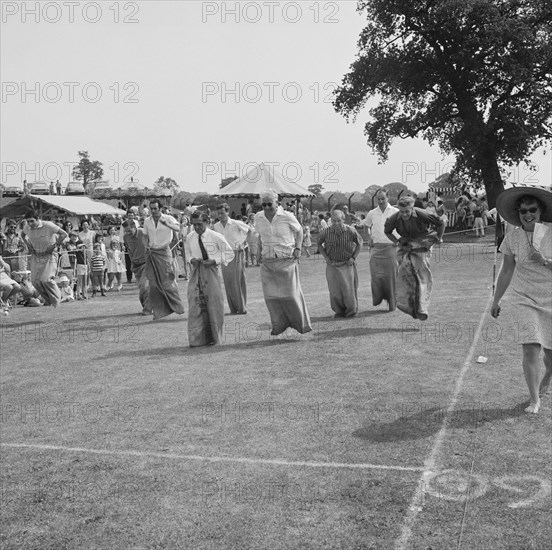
(185, 90)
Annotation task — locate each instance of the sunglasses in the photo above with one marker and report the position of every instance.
(265, 204)
(532, 210)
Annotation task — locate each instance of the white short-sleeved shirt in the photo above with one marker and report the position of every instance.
(43, 236)
(278, 236)
(235, 232)
(215, 245)
(160, 236)
(375, 221)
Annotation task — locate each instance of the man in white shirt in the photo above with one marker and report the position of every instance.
(235, 232)
(43, 239)
(281, 238)
(158, 234)
(207, 251)
(383, 258)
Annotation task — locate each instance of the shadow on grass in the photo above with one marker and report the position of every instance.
(427, 422)
(180, 351)
(324, 335)
(369, 313)
(81, 320)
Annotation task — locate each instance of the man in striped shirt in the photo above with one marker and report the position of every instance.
(340, 245)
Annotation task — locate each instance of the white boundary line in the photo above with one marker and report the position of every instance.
(430, 464)
(236, 460)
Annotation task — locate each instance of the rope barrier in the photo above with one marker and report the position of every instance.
(465, 231)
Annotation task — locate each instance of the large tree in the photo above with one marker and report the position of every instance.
(473, 76)
(166, 183)
(316, 189)
(87, 170)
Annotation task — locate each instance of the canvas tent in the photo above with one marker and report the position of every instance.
(256, 180)
(260, 178)
(45, 205)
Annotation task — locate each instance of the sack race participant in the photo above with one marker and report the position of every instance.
(281, 237)
(159, 270)
(43, 239)
(207, 251)
(417, 236)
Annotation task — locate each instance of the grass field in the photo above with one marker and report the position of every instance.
(379, 432)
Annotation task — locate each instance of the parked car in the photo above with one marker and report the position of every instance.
(39, 188)
(13, 191)
(74, 188)
(100, 188)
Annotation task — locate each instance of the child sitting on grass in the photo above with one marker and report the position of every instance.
(65, 287)
(8, 287)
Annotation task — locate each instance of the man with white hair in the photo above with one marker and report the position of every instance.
(281, 237)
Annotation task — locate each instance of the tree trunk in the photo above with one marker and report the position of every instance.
(492, 179)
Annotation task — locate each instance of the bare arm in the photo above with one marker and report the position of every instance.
(169, 221)
(392, 237)
(358, 248)
(299, 238)
(298, 243)
(322, 246)
(503, 282)
(440, 231)
(61, 236)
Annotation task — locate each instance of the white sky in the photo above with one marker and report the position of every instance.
(164, 110)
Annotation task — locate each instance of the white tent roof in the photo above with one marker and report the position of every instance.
(260, 178)
(79, 205)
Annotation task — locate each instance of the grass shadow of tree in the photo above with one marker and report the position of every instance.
(412, 425)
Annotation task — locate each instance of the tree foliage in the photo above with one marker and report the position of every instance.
(166, 183)
(316, 189)
(87, 170)
(396, 189)
(473, 76)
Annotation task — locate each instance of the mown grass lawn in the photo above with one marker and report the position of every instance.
(115, 434)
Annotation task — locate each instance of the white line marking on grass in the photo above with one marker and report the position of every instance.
(431, 462)
(239, 460)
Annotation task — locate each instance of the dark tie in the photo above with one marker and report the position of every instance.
(202, 248)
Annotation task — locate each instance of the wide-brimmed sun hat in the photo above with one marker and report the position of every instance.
(506, 203)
